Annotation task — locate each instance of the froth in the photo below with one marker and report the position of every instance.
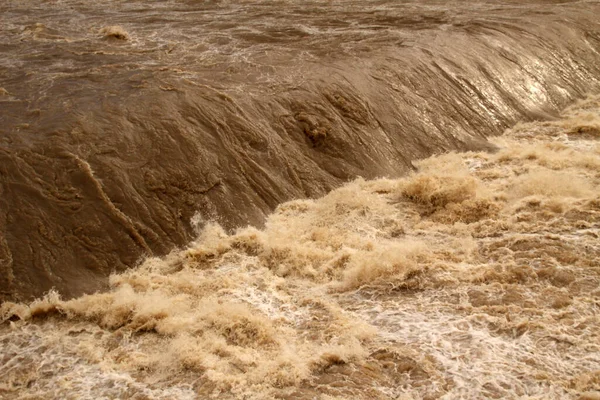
(475, 276)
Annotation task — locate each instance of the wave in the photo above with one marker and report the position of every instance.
(225, 109)
(475, 276)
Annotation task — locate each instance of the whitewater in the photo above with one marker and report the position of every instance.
(476, 276)
(299, 200)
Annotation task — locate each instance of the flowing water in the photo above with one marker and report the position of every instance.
(159, 131)
(475, 277)
(121, 120)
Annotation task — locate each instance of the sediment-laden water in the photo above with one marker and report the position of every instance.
(476, 276)
(121, 120)
(299, 200)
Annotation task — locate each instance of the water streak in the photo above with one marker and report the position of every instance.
(476, 276)
(121, 120)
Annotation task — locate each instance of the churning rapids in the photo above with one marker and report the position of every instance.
(299, 199)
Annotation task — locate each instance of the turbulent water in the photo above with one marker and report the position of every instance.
(233, 146)
(121, 120)
(477, 276)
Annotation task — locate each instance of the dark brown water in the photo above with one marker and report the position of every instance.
(225, 109)
(475, 277)
(150, 135)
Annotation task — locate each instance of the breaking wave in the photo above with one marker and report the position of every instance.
(475, 276)
(120, 121)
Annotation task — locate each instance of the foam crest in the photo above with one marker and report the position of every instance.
(475, 276)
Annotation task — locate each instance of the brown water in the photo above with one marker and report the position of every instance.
(121, 120)
(157, 132)
(475, 277)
